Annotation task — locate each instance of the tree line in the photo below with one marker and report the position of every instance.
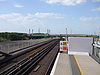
(13, 36)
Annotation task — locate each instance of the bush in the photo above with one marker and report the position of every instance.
(3, 39)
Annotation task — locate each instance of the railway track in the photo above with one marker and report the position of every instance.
(17, 56)
(25, 64)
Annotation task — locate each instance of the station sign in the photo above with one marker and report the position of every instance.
(64, 46)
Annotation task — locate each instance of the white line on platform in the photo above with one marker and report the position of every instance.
(55, 64)
(78, 53)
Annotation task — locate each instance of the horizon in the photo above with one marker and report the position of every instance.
(51, 34)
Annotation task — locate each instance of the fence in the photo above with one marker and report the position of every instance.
(8, 47)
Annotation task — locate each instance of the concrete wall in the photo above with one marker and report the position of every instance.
(80, 44)
(11, 46)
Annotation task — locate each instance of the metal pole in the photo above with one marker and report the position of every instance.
(32, 31)
(66, 34)
(29, 31)
(39, 30)
(47, 31)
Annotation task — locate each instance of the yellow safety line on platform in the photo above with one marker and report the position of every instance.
(81, 70)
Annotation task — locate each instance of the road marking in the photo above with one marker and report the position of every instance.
(77, 62)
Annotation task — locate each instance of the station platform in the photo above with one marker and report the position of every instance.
(75, 64)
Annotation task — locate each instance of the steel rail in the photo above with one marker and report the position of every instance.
(23, 65)
(48, 71)
(23, 52)
(15, 66)
(46, 51)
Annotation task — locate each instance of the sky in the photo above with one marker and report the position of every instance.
(78, 16)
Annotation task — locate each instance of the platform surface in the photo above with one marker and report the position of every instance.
(62, 65)
(86, 65)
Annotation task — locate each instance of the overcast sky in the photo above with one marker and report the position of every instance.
(79, 16)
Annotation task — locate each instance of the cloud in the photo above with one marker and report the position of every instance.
(2, 0)
(96, 0)
(94, 24)
(48, 15)
(89, 18)
(18, 18)
(96, 9)
(65, 2)
(18, 6)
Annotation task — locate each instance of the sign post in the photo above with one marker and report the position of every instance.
(64, 46)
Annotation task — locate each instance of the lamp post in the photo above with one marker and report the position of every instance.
(39, 30)
(66, 35)
(32, 31)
